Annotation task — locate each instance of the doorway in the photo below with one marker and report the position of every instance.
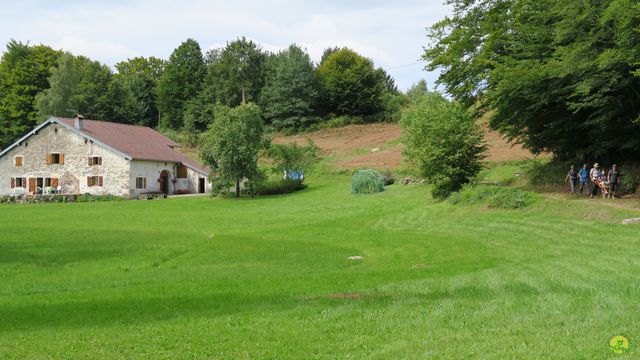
(201, 185)
(164, 182)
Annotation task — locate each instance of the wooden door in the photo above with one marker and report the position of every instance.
(32, 185)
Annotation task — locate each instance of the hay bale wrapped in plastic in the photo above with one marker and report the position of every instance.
(367, 181)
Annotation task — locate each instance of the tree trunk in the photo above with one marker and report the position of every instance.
(238, 188)
(243, 96)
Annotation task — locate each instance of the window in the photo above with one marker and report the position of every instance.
(55, 158)
(182, 172)
(141, 183)
(94, 181)
(95, 160)
(18, 183)
(19, 161)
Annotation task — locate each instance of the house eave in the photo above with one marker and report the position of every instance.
(54, 120)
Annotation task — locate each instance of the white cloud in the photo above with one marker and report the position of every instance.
(95, 49)
(391, 33)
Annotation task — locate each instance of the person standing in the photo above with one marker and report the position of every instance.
(594, 175)
(583, 174)
(571, 177)
(613, 177)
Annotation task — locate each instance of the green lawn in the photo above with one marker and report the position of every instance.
(269, 278)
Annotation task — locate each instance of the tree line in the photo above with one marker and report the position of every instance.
(557, 76)
(182, 92)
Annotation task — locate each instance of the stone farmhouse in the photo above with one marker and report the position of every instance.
(79, 156)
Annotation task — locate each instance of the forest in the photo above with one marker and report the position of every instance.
(179, 95)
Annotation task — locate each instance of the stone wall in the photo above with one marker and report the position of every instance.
(54, 138)
(151, 170)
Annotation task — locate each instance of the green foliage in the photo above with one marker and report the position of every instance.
(232, 144)
(630, 179)
(494, 196)
(235, 73)
(24, 71)
(289, 94)
(392, 105)
(560, 76)
(442, 140)
(349, 84)
(293, 156)
(277, 186)
(181, 80)
(367, 181)
(443, 189)
(150, 67)
(198, 115)
(80, 85)
(416, 91)
(544, 172)
(96, 198)
(138, 78)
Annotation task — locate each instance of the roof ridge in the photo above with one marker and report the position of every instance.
(113, 123)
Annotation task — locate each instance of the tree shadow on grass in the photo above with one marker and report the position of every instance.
(131, 310)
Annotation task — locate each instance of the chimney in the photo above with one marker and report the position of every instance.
(78, 121)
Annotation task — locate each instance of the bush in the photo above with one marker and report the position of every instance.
(389, 179)
(442, 140)
(443, 189)
(293, 157)
(96, 198)
(367, 182)
(630, 179)
(493, 196)
(542, 172)
(278, 186)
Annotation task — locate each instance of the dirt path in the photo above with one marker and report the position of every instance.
(626, 204)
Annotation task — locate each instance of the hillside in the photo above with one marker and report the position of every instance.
(379, 146)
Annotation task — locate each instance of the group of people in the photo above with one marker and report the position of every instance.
(602, 181)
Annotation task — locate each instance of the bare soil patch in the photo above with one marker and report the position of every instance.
(378, 146)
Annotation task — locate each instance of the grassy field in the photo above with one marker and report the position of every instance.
(269, 278)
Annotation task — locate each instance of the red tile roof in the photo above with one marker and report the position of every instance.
(139, 142)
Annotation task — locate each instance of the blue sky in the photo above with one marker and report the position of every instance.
(390, 33)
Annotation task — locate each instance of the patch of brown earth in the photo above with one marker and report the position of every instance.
(377, 146)
(343, 141)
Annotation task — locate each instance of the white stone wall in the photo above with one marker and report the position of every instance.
(115, 169)
(192, 182)
(151, 171)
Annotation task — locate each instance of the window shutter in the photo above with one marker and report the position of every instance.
(90, 161)
(100, 161)
(54, 182)
(62, 159)
(24, 183)
(49, 159)
(144, 181)
(89, 181)
(13, 183)
(100, 182)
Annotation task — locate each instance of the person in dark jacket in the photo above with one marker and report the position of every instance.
(571, 177)
(613, 177)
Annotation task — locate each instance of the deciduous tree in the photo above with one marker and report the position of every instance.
(232, 144)
(289, 94)
(181, 80)
(24, 70)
